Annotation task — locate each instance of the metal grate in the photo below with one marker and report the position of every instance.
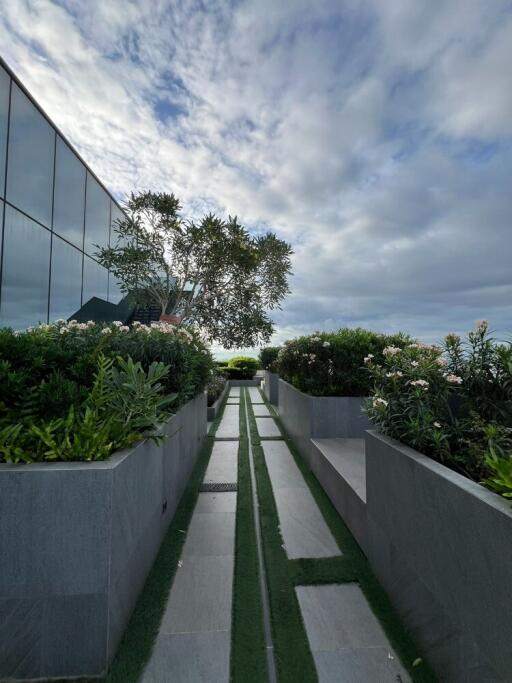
(218, 487)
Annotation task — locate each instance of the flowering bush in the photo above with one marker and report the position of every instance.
(453, 403)
(331, 363)
(49, 373)
(215, 386)
(268, 358)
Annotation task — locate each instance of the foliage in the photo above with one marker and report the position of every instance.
(79, 391)
(247, 364)
(268, 358)
(212, 273)
(451, 403)
(215, 386)
(331, 363)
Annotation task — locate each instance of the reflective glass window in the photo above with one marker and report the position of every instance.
(4, 112)
(25, 274)
(95, 281)
(116, 215)
(114, 290)
(97, 216)
(66, 280)
(31, 151)
(69, 195)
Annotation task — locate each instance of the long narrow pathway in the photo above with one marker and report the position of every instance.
(346, 641)
(194, 641)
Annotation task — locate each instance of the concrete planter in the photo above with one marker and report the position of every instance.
(77, 542)
(442, 547)
(271, 386)
(307, 417)
(213, 410)
(254, 382)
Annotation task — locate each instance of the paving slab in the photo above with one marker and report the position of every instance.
(217, 502)
(255, 395)
(229, 427)
(281, 466)
(261, 410)
(346, 639)
(267, 427)
(233, 401)
(234, 391)
(189, 658)
(210, 533)
(223, 464)
(307, 537)
(200, 599)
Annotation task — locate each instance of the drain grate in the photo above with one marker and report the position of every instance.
(218, 487)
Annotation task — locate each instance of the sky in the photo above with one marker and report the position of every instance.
(374, 136)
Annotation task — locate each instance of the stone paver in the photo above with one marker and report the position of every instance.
(229, 427)
(261, 410)
(347, 641)
(255, 395)
(234, 391)
(267, 427)
(303, 528)
(223, 465)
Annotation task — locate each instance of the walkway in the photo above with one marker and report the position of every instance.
(346, 640)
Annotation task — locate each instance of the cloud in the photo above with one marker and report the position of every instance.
(376, 137)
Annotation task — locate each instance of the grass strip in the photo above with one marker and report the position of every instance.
(353, 566)
(248, 660)
(137, 643)
(294, 660)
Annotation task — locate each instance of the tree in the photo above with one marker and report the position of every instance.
(212, 274)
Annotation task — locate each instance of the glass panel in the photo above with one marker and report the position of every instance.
(68, 210)
(4, 111)
(97, 216)
(31, 150)
(25, 274)
(114, 290)
(116, 215)
(66, 280)
(95, 281)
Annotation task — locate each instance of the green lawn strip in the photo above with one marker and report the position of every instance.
(137, 642)
(248, 656)
(294, 660)
(353, 567)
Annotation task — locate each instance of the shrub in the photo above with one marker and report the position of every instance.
(49, 380)
(268, 358)
(238, 373)
(451, 403)
(331, 363)
(246, 364)
(215, 386)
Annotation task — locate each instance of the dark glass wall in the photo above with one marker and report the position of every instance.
(55, 213)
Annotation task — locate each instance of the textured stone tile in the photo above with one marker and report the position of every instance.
(21, 622)
(261, 410)
(307, 537)
(234, 391)
(255, 395)
(222, 467)
(216, 502)
(339, 617)
(297, 502)
(189, 658)
(281, 466)
(362, 665)
(229, 427)
(210, 533)
(267, 427)
(200, 598)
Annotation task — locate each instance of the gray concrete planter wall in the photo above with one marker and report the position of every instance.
(76, 544)
(214, 409)
(442, 547)
(254, 382)
(307, 417)
(271, 386)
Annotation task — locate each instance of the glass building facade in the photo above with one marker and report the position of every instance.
(53, 213)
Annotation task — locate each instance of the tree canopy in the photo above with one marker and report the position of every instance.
(210, 273)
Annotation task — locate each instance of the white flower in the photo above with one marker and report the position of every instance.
(380, 402)
(437, 424)
(63, 330)
(106, 330)
(312, 356)
(91, 323)
(124, 328)
(391, 350)
(117, 323)
(414, 363)
(481, 325)
(395, 375)
(60, 321)
(442, 362)
(454, 379)
(420, 383)
(326, 344)
(413, 346)
(136, 323)
(315, 339)
(368, 358)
